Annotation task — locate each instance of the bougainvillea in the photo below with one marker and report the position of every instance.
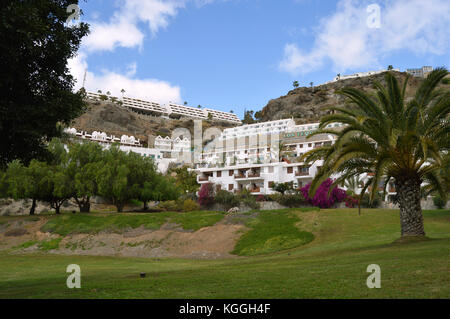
(206, 194)
(351, 201)
(321, 198)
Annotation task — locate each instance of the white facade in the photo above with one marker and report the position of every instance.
(257, 163)
(258, 178)
(126, 144)
(358, 75)
(272, 127)
(421, 72)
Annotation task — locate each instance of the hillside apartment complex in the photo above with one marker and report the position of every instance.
(171, 109)
(257, 156)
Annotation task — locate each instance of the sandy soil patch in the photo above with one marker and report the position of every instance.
(170, 241)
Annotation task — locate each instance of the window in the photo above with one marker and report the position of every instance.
(230, 173)
(271, 184)
(270, 169)
(290, 170)
(230, 187)
(218, 188)
(219, 174)
(301, 145)
(309, 144)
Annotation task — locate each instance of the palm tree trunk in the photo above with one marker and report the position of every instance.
(411, 218)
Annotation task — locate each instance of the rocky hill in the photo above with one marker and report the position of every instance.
(117, 120)
(308, 104)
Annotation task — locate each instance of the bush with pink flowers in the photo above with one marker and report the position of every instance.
(206, 195)
(321, 198)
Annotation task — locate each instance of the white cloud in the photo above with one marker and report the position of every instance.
(345, 39)
(149, 89)
(122, 28)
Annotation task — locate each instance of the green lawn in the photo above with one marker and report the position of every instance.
(333, 265)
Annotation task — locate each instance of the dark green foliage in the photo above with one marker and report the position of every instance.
(229, 200)
(283, 187)
(35, 83)
(367, 203)
(439, 202)
(291, 200)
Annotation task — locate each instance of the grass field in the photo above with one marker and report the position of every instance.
(333, 265)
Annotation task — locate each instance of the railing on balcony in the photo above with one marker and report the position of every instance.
(203, 179)
(301, 173)
(254, 175)
(237, 176)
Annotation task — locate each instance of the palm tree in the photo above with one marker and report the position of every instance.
(123, 92)
(295, 84)
(390, 138)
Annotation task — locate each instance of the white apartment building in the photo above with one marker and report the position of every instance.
(358, 75)
(420, 72)
(170, 109)
(250, 157)
(126, 144)
(166, 144)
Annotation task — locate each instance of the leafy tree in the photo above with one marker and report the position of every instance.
(112, 178)
(259, 116)
(85, 160)
(165, 188)
(142, 177)
(3, 185)
(248, 117)
(392, 138)
(186, 180)
(282, 187)
(35, 82)
(295, 84)
(390, 67)
(29, 182)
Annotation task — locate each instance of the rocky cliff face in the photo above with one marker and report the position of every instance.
(117, 120)
(306, 104)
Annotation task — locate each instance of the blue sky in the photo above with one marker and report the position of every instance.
(239, 54)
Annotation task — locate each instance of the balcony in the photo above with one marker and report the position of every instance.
(255, 190)
(203, 179)
(300, 174)
(239, 176)
(255, 175)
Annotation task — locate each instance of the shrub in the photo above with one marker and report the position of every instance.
(439, 202)
(206, 195)
(169, 206)
(351, 201)
(365, 202)
(291, 200)
(189, 205)
(245, 197)
(226, 198)
(321, 198)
